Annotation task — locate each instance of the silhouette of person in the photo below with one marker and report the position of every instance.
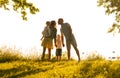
(47, 28)
(48, 41)
(69, 36)
(58, 47)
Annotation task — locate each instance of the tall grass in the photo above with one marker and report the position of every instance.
(14, 65)
(93, 57)
(7, 55)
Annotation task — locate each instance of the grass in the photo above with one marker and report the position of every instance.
(15, 66)
(62, 69)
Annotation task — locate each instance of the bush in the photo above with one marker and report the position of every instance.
(7, 55)
(93, 57)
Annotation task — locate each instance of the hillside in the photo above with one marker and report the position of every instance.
(13, 65)
(63, 69)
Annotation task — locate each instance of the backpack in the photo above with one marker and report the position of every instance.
(46, 32)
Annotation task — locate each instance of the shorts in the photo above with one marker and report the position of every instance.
(58, 52)
(71, 42)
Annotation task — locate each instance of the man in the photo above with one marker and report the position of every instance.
(70, 39)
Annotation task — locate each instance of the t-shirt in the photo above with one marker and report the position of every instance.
(65, 29)
(46, 32)
(58, 43)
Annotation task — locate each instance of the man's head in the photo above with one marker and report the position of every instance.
(60, 21)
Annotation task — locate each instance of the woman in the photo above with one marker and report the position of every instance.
(48, 41)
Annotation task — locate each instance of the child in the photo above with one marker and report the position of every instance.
(46, 31)
(58, 47)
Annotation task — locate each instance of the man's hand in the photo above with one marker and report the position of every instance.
(55, 45)
(41, 39)
(63, 44)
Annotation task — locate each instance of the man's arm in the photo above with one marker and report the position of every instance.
(62, 38)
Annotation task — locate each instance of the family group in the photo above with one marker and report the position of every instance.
(51, 39)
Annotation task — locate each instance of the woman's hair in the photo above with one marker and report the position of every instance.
(52, 24)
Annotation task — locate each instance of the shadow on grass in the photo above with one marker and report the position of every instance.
(21, 71)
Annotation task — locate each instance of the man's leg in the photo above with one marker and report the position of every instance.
(77, 52)
(74, 44)
(68, 53)
(68, 49)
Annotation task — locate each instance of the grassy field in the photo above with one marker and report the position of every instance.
(63, 69)
(14, 66)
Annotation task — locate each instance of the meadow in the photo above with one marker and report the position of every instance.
(13, 65)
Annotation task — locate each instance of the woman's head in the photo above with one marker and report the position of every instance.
(53, 24)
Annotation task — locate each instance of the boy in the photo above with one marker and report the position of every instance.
(58, 47)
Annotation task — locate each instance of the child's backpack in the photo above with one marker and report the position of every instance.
(46, 32)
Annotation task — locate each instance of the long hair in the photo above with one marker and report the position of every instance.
(52, 24)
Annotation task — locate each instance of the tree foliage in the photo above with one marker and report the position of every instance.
(21, 6)
(112, 7)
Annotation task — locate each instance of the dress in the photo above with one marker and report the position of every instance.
(47, 42)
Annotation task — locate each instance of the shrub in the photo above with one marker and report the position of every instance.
(7, 55)
(93, 57)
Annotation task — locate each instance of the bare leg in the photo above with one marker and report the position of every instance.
(43, 54)
(68, 54)
(77, 52)
(57, 58)
(49, 54)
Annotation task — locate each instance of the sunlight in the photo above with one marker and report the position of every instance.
(89, 26)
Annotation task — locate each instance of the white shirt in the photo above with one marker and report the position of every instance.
(58, 43)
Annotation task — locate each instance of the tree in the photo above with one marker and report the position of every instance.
(112, 7)
(20, 6)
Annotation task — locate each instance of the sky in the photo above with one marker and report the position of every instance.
(89, 24)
